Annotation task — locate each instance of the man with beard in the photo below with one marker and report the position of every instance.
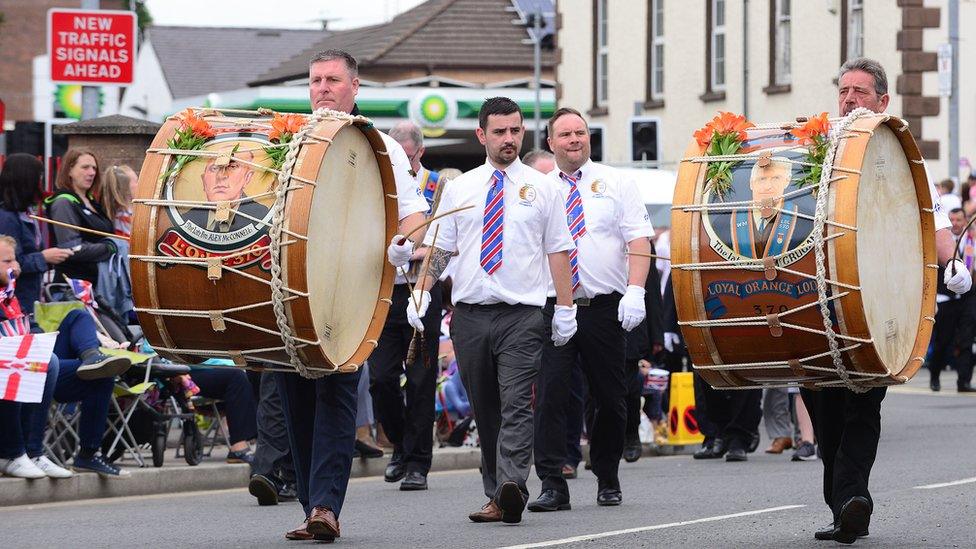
(500, 286)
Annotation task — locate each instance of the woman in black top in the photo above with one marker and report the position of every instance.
(74, 203)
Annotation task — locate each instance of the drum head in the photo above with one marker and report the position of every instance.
(889, 249)
(346, 244)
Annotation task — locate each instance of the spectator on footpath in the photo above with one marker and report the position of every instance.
(949, 200)
(118, 187)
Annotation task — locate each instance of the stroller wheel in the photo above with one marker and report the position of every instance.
(192, 443)
(159, 446)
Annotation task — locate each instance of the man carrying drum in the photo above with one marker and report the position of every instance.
(321, 413)
(606, 218)
(848, 424)
(504, 243)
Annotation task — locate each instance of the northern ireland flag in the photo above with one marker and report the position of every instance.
(23, 366)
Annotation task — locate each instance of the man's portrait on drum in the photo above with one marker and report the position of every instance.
(745, 231)
(223, 183)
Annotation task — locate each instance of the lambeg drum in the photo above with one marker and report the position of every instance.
(804, 253)
(261, 238)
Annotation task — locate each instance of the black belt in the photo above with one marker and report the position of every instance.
(588, 301)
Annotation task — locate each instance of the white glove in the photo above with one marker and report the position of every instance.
(631, 310)
(671, 340)
(415, 315)
(961, 281)
(398, 254)
(563, 324)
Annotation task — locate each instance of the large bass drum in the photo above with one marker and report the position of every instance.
(263, 239)
(797, 284)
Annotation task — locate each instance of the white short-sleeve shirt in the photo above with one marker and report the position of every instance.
(614, 215)
(409, 199)
(534, 226)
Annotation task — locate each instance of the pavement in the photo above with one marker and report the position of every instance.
(923, 483)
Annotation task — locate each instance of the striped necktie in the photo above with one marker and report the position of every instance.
(493, 224)
(577, 225)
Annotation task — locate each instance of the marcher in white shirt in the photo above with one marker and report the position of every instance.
(606, 219)
(501, 279)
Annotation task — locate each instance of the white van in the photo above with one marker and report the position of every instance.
(657, 190)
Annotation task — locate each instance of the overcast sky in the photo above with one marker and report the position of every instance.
(276, 13)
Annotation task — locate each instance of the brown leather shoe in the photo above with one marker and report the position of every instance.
(301, 534)
(779, 444)
(489, 513)
(323, 522)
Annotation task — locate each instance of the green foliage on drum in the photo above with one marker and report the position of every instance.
(813, 134)
(722, 136)
(193, 132)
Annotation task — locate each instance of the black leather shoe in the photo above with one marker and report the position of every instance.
(854, 518)
(287, 492)
(966, 388)
(367, 451)
(550, 500)
(935, 385)
(828, 533)
(414, 481)
(736, 454)
(395, 471)
(264, 489)
(753, 443)
(632, 452)
(714, 450)
(609, 496)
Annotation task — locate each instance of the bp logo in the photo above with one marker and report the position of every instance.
(67, 97)
(432, 112)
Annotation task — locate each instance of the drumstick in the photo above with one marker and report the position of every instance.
(412, 348)
(403, 240)
(652, 256)
(77, 228)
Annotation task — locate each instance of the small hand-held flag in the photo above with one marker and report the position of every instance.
(23, 366)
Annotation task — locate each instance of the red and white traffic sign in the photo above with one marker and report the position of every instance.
(91, 46)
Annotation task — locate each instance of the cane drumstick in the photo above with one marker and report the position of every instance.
(652, 256)
(77, 228)
(403, 240)
(412, 348)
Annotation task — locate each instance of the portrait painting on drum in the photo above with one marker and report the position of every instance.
(229, 200)
(763, 220)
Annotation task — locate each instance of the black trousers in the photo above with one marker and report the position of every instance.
(736, 414)
(635, 383)
(599, 348)
(848, 427)
(407, 426)
(574, 416)
(707, 422)
(952, 338)
(272, 457)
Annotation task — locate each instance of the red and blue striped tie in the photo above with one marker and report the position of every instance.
(493, 224)
(574, 218)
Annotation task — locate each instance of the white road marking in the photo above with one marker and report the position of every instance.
(589, 537)
(946, 484)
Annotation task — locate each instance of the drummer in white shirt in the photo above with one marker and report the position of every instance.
(504, 243)
(606, 218)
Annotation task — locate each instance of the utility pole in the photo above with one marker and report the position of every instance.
(537, 47)
(89, 94)
(954, 94)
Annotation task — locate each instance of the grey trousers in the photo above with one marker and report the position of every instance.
(499, 354)
(364, 402)
(776, 413)
(272, 457)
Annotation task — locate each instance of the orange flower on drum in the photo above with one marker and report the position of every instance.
(197, 126)
(704, 135)
(288, 124)
(726, 123)
(816, 126)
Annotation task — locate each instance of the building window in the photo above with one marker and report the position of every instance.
(851, 29)
(655, 51)
(716, 62)
(780, 47)
(602, 53)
